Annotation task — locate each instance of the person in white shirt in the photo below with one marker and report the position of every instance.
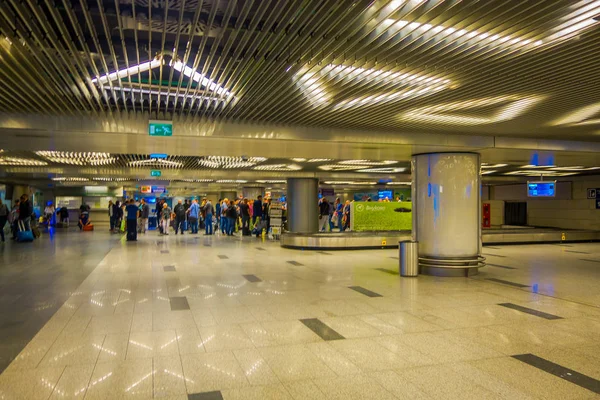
(49, 212)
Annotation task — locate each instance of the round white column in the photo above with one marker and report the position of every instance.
(446, 197)
(302, 199)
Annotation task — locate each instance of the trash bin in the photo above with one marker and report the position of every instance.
(409, 258)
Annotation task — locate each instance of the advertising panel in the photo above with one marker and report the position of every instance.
(380, 216)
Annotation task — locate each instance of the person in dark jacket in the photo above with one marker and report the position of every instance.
(245, 213)
(132, 215)
(25, 211)
(117, 213)
(232, 216)
(257, 210)
(179, 211)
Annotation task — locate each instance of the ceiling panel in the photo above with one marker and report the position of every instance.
(501, 68)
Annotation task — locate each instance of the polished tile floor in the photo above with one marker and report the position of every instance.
(195, 317)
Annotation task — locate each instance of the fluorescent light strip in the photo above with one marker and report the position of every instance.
(272, 182)
(491, 171)
(576, 168)
(399, 183)
(135, 69)
(231, 181)
(198, 77)
(516, 106)
(349, 183)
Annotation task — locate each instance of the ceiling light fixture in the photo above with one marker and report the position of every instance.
(341, 167)
(388, 170)
(70, 179)
(487, 172)
(156, 162)
(272, 182)
(575, 168)
(486, 165)
(312, 84)
(438, 114)
(540, 173)
(278, 167)
(399, 183)
(353, 183)
(135, 69)
(21, 161)
(77, 158)
(368, 162)
(229, 162)
(164, 93)
(199, 78)
(231, 181)
(581, 116)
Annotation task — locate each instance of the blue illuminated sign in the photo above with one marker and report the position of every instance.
(541, 189)
(161, 156)
(383, 194)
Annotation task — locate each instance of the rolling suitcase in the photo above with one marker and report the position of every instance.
(23, 235)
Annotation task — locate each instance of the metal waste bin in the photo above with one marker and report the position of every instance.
(409, 258)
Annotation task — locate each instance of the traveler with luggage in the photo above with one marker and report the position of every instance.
(132, 216)
(179, 211)
(209, 211)
(245, 213)
(193, 215)
(25, 211)
(3, 218)
(144, 216)
(84, 219)
(49, 213)
(165, 218)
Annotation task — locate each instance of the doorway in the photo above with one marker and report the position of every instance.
(515, 213)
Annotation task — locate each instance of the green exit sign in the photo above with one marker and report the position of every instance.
(155, 172)
(160, 128)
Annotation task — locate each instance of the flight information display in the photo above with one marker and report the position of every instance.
(541, 189)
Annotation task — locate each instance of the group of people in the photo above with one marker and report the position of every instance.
(243, 214)
(19, 216)
(334, 215)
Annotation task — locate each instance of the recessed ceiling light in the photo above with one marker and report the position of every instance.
(231, 181)
(299, 159)
(488, 172)
(399, 183)
(70, 179)
(230, 162)
(77, 158)
(272, 182)
(133, 70)
(539, 173)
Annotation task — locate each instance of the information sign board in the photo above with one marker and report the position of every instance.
(155, 172)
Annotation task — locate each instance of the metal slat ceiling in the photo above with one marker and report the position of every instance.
(500, 66)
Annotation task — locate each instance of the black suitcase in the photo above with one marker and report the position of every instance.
(131, 236)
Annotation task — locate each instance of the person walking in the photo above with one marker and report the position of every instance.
(179, 211)
(193, 214)
(165, 220)
(209, 211)
(145, 215)
(132, 216)
(323, 214)
(3, 218)
(218, 213)
(346, 218)
(49, 213)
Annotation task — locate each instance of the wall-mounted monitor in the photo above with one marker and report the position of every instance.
(541, 189)
(385, 194)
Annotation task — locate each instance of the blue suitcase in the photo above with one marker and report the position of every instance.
(24, 235)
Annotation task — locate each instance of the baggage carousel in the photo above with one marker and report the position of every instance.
(390, 239)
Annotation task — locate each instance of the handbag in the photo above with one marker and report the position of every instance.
(123, 225)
